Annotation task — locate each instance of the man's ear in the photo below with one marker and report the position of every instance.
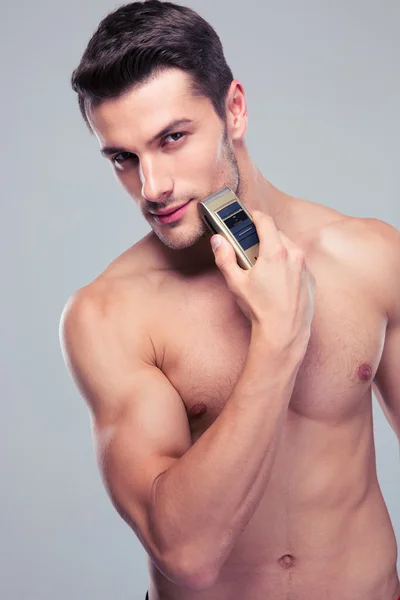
(236, 111)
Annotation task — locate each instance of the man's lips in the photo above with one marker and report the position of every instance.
(171, 216)
(167, 211)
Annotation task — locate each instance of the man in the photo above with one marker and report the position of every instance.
(231, 409)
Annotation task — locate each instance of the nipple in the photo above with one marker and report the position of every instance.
(364, 372)
(198, 409)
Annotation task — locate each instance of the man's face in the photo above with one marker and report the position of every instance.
(184, 165)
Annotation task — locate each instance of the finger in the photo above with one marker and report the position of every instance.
(268, 235)
(225, 259)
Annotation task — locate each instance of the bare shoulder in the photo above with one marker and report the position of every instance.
(370, 249)
(367, 249)
(123, 289)
(106, 326)
(124, 282)
(369, 244)
(347, 237)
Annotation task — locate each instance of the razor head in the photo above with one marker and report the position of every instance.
(224, 214)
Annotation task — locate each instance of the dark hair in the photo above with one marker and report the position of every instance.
(138, 41)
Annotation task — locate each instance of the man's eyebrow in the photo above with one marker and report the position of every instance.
(108, 150)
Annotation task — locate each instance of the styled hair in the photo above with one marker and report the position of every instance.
(138, 41)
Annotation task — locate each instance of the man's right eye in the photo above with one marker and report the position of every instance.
(123, 156)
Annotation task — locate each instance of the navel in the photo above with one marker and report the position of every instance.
(286, 561)
(364, 372)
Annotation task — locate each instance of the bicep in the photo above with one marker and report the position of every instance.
(139, 421)
(147, 436)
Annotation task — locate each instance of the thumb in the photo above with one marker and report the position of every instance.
(225, 257)
(218, 244)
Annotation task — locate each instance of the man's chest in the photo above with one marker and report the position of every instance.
(204, 344)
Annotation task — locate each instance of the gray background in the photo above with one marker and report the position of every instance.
(322, 86)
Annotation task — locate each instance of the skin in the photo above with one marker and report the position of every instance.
(322, 529)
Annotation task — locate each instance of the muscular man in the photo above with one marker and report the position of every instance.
(231, 409)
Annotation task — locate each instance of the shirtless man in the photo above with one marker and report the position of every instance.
(231, 409)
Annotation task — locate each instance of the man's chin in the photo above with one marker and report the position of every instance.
(180, 240)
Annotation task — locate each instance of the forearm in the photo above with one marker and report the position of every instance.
(203, 502)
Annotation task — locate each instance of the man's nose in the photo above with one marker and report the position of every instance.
(157, 184)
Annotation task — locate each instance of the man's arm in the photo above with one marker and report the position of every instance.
(387, 379)
(186, 503)
(139, 422)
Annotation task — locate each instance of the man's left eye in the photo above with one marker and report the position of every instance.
(175, 134)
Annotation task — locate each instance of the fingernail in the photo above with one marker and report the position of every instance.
(215, 242)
